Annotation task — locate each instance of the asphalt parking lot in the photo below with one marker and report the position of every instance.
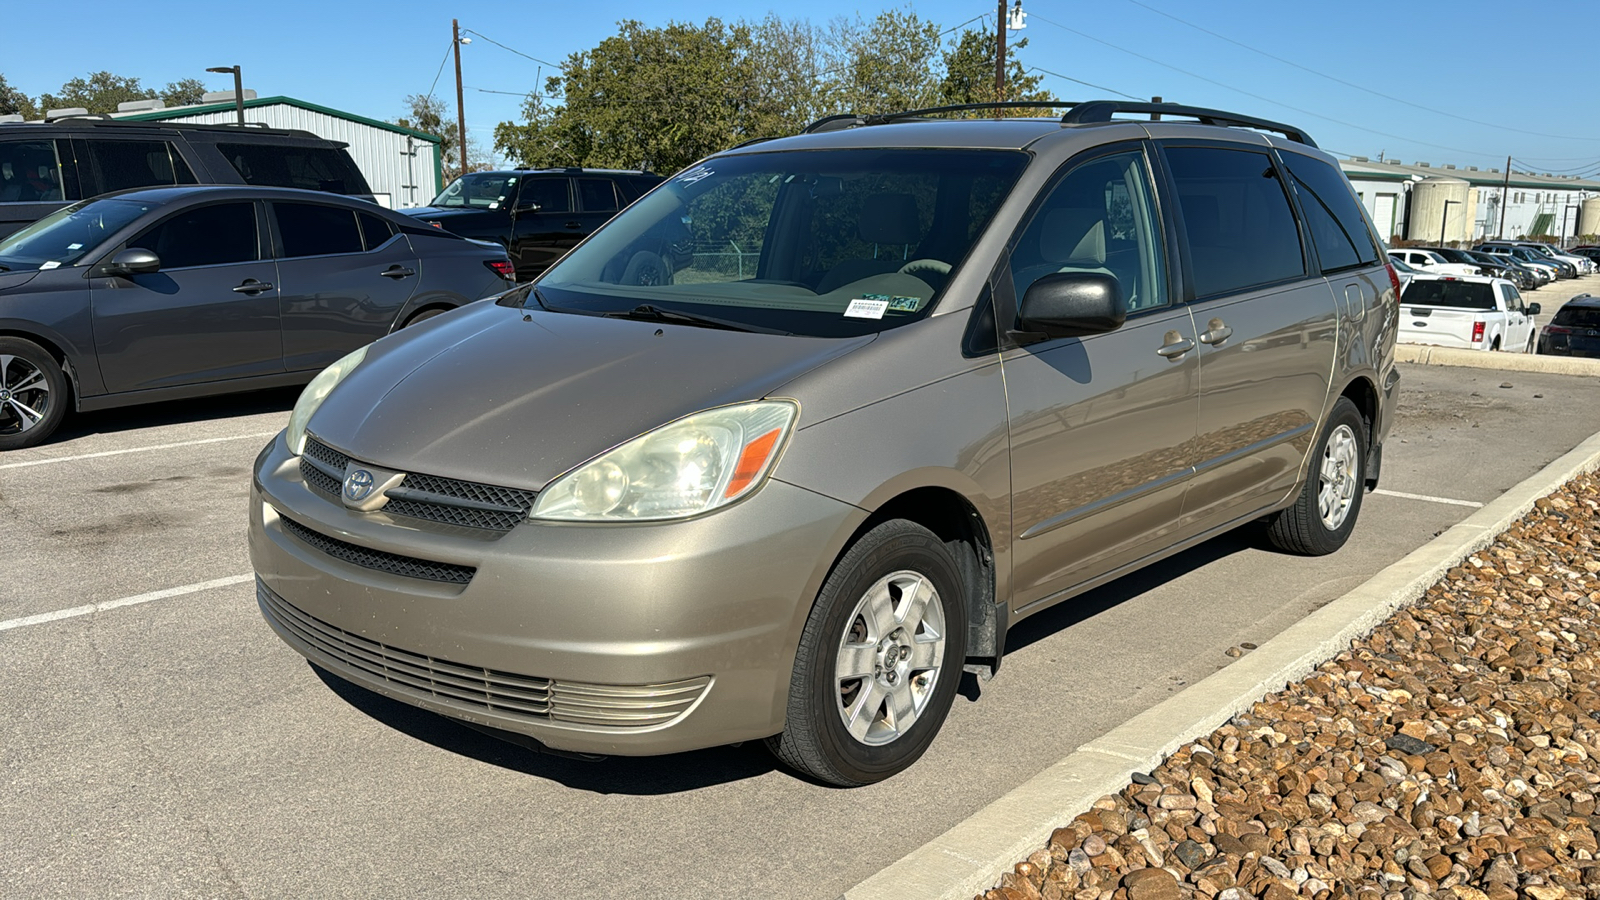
(172, 746)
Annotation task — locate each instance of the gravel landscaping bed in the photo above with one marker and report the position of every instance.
(1453, 753)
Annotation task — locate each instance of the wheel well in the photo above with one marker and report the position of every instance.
(1362, 393)
(956, 522)
(51, 348)
(442, 307)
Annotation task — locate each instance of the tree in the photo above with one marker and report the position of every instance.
(428, 113)
(15, 102)
(99, 93)
(887, 65)
(187, 92)
(653, 98)
(969, 74)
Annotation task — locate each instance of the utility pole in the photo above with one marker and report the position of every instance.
(461, 112)
(1505, 201)
(1000, 56)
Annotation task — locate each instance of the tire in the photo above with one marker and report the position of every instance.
(844, 730)
(423, 316)
(33, 393)
(647, 268)
(1337, 476)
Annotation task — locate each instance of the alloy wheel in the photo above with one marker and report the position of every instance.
(24, 395)
(890, 657)
(1336, 480)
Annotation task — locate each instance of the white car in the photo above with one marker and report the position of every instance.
(1432, 263)
(1468, 312)
(1583, 264)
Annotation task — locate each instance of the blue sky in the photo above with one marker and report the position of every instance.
(1525, 79)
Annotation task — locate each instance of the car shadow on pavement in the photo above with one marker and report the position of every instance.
(1092, 603)
(176, 412)
(643, 776)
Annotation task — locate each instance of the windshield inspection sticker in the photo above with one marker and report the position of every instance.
(862, 308)
(905, 304)
(54, 264)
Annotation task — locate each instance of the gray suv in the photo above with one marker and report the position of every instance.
(918, 380)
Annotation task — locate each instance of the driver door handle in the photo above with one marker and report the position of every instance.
(253, 287)
(397, 272)
(1216, 332)
(1175, 347)
(574, 225)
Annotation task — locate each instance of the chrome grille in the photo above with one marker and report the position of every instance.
(379, 560)
(448, 501)
(505, 693)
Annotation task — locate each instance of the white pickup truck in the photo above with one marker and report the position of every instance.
(1469, 312)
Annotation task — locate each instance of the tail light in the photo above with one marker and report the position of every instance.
(1394, 278)
(1556, 329)
(437, 225)
(503, 268)
(1477, 332)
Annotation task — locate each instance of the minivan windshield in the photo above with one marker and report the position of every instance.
(67, 235)
(826, 243)
(478, 191)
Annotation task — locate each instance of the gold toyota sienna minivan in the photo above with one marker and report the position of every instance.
(790, 443)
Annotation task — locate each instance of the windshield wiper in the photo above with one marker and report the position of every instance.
(4, 267)
(650, 313)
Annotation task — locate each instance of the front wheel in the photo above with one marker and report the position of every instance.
(33, 394)
(1324, 513)
(879, 660)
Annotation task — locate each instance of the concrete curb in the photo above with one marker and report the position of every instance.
(1428, 355)
(969, 858)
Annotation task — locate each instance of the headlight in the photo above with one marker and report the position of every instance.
(681, 469)
(314, 394)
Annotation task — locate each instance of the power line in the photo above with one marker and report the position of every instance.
(1230, 87)
(1351, 84)
(1084, 83)
(436, 75)
(542, 62)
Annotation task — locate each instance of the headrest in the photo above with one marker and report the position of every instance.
(1074, 235)
(889, 219)
(5, 171)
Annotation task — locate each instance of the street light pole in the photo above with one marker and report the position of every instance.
(461, 113)
(238, 87)
(1000, 56)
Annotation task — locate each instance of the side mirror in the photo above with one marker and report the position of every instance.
(132, 261)
(1533, 309)
(530, 206)
(1071, 304)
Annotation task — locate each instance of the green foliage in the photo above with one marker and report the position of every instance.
(661, 98)
(428, 113)
(13, 102)
(99, 93)
(969, 74)
(183, 93)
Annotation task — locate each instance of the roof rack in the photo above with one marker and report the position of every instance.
(1103, 110)
(852, 120)
(1078, 113)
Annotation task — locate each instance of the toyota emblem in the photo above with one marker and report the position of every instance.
(358, 484)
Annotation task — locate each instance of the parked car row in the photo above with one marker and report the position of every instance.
(163, 293)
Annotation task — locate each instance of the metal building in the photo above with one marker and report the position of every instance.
(1410, 201)
(402, 165)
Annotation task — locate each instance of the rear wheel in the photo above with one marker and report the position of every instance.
(423, 316)
(1325, 512)
(33, 394)
(879, 660)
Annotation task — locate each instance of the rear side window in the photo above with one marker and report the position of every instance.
(30, 172)
(309, 229)
(1338, 229)
(206, 236)
(1240, 229)
(374, 230)
(313, 168)
(1459, 294)
(597, 195)
(120, 165)
(549, 193)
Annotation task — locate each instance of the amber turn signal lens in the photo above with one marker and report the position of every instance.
(751, 462)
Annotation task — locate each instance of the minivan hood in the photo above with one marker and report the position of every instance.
(485, 395)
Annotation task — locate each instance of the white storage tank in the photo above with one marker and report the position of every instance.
(1430, 198)
(1589, 217)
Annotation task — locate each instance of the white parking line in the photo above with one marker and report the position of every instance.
(75, 611)
(62, 459)
(1405, 496)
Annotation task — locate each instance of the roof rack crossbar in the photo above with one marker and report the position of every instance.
(852, 120)
(1102, 111)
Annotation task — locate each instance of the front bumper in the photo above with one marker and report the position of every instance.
(605, 639)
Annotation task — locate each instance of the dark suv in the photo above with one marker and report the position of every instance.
(46, 165)
(536, 214)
